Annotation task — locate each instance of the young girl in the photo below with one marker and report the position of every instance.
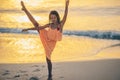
(52, 35)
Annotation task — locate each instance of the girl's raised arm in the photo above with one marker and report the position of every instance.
(31, 18)
(65, 13)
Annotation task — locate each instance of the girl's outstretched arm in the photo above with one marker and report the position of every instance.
(31, 18)
(65, 13)
(36, 28)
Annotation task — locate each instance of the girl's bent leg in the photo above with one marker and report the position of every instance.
(49, 65)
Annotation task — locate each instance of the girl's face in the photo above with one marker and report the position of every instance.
(53, 18)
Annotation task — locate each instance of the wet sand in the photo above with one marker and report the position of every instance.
(104, 69)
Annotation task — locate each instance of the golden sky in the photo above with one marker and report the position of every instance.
(48, 3)
(83, 13)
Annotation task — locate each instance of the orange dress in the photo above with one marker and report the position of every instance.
(49, 38)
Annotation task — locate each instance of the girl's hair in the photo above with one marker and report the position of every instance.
(56, 14)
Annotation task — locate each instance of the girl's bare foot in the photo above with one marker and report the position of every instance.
(23, 6)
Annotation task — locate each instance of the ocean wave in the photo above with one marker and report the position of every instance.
(96, 34)
(114, 35)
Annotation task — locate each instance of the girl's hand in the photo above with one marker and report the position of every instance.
(67, 2)
(23, 30)
(23, 6)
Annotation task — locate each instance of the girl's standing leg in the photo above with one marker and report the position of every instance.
(49, 65)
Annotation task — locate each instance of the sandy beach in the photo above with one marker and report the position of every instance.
(107, 69)
(90, 46)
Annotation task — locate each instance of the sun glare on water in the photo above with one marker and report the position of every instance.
(25, 44)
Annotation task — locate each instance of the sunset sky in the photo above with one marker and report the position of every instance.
(85, 13)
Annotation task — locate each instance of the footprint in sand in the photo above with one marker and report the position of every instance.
(33, 78)
(43, 66)
(36, 70)
(35, 66)
(16, 76)
(22, 71)
(6, 72)
(61, 77)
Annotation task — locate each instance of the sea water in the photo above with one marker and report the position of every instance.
(92, 31)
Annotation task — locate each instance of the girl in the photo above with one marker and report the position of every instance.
(52, 35)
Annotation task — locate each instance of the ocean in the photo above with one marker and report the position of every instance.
(92, 31)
